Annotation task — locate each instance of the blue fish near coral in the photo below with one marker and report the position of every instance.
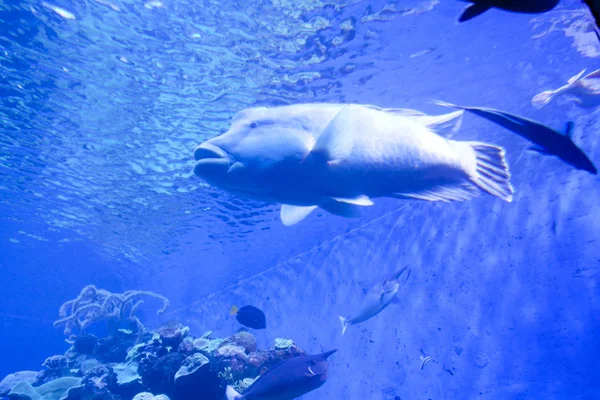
(287, 380)
(546, 140)
(250, 316)
(339, 157)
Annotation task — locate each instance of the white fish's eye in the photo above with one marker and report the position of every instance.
(253, 125)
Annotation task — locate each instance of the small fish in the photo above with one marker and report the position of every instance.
(340, 156)
(288, 379)
(249, 316)
(585, 91)
(546, 140)
(520, 6)
(377, 298)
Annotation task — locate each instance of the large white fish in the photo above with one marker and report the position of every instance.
(378, 297)
(341, 156)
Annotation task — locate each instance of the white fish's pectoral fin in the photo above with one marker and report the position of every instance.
(575, 78)
(359, 201)
(342, 208)
(291, 215)
(336, 140)
(442, 193)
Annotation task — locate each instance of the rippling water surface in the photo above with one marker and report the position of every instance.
(103, 101)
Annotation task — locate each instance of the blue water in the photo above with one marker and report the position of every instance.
(103, 101)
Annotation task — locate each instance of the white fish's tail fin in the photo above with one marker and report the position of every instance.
(232, 394)
(542, 99)
(344, 325)
(492, 174)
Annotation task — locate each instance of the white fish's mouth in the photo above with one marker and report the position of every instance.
(210, 151)
(211, 160)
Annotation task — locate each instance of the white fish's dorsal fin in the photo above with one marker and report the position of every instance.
(361, 200)
(400, 111)
(291, 215)
(452, 121)
(336, 140)
(575, 78)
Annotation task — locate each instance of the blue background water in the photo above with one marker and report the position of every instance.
(101, 109)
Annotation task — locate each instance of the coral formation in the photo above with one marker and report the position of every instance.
(196, 368)
(166, 364)
(94, 304)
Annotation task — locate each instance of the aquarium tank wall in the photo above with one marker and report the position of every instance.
(411, 183)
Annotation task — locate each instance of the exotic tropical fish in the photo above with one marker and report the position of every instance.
(287, 380)
(521, 6)
(377, 298)
(585, 91)
(341, 156)
(249, 316)
(546, 140)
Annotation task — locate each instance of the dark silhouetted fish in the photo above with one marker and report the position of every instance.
(250, 316)
(520, 6)
(287, 380)
(546, 140)
(594, 6)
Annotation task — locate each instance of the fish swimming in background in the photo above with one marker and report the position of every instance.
(546, 140)
(288, 379)
(377, 298)
(249, 316)
(520, 6)
(341, 156)
(585, 91)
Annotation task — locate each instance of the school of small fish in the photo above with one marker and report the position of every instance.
(340, 157)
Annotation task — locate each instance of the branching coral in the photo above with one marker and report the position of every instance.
(94, 304)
